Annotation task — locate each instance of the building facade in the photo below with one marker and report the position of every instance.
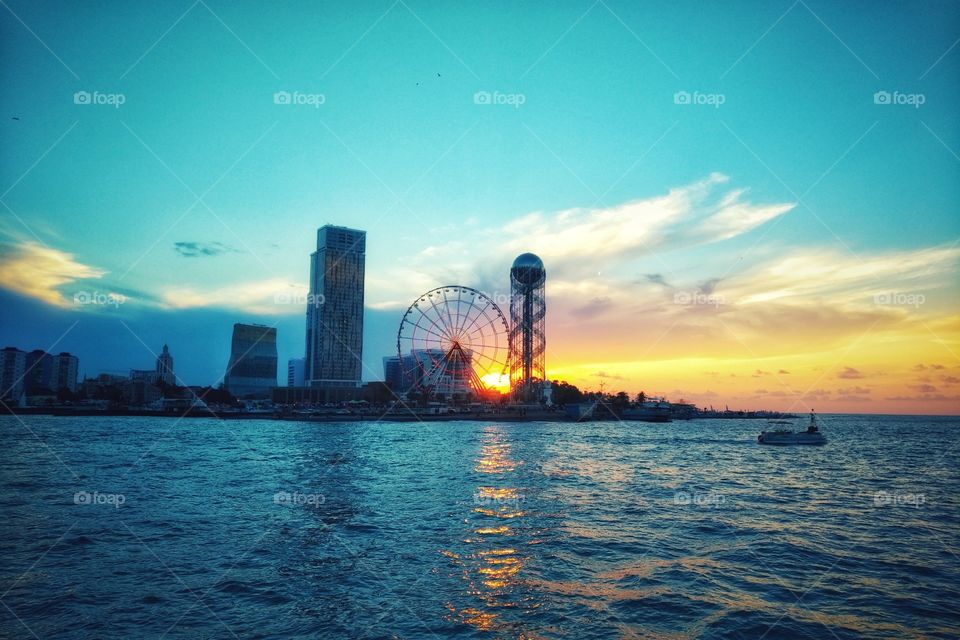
(164, 368)
(334, 340)
(39, 373)
(13, 366)
(400, 374)
(295, 372)
(144, 375)
(252, 371)
(65, 368)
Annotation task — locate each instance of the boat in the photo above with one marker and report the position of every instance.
(656, 410)
(783, 437)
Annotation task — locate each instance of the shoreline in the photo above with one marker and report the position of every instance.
(376, 416)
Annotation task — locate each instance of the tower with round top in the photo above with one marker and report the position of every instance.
(527, 338)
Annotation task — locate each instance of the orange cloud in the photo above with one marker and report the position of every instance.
(38, 271)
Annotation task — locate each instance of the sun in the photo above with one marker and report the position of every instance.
(498, 381)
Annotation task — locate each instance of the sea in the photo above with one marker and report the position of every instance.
(138, 527)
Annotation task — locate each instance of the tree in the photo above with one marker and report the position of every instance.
(641, 397)
(565, 393)
(621, 401)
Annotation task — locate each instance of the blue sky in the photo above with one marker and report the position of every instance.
(199, 152)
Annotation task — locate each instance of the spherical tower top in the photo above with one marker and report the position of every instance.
(528, 261)
(528, 269)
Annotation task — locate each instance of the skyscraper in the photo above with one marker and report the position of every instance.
(165, 368)
(40, 373)
(252, 371)
(335, 308)
(65, 371)
(13, 366)
(527, 336)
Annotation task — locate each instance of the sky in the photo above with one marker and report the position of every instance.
(753, 204)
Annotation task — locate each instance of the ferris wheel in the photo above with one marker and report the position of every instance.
(453, 341)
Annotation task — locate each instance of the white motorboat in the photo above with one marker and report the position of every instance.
(811, 436)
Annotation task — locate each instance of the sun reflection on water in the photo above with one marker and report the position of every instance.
(493, 569)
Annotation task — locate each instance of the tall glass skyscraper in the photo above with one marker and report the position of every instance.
(252, 371)
(335, 308)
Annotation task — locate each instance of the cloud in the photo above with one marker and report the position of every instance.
(948, 380)
(783, 372)
(201, 249)
(604, 374)
(656, 278)
(934, 397)
(695, 214)
(855, 391)
(578, 241)
(852, 398)
(922, 388)
(39, 272)
(849, 373)
(261, 297)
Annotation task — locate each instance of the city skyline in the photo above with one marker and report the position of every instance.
(716, 230)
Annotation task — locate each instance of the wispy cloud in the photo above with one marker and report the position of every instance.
(849, 373)
(262, 297)
(40, 272)
(201, 249)
(701, 213)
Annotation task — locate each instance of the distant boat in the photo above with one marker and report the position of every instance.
(783, 437)
(650, 411)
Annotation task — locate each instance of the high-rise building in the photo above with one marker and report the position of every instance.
(165, 368)
(65, 368)
(400, 374)
(527, 337)
(252, 372)
(334, 338)
(295, 372)
(39, 372)
(13, 366)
